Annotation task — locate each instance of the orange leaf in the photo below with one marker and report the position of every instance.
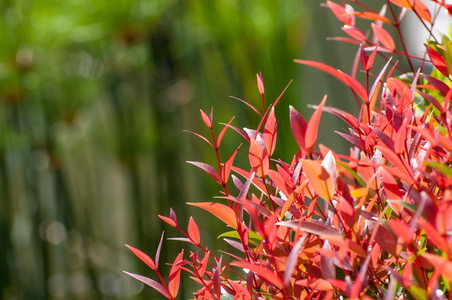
(259, 160)
(221, 211)
(370, 16)
(312, 128)
(319, 178)
(264, 273)
(193, 231)
(174, 276)
(383, 36)
(315, 284)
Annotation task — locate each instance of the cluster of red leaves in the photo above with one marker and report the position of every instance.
(374, 224)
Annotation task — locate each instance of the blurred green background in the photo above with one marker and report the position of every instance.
(94, 98)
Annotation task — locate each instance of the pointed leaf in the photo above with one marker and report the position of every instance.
(341, 14)
(312, 128)
(143, 256)
(321, 66)
(319, 178)
(216, 279)
(223, 131)
(383, 237)
(354, 32)
(298, 126)
(204, 263)
(293, 259)
(259, 160)
(269, 135)
(228, 166)
(264, 273)
(152, 283)
(157, 254)
(174, 276)
(221, 211)
(327, 263)
(383, 37)
(207, 120)
(208, 169)
(314, 227)
(355, 86)
(193, 231)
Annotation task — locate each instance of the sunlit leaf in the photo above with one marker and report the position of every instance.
(319, 178)
(221, 211)
(143, 256)
(312, 128)
(193, 231)
(258, 158)
(269, 135)
(152, 283)
(174, 276)
(383, 37)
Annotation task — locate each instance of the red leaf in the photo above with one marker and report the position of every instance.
(223, 131)
(383, 37)
(319, 178)
(315, 284)
(152, 283)
(340, 13)
(259, 160)
(228, 165)
(207, 120)
(221, 211)
(203, 264)
(383, 237)
(355, 86)
(440, 263)
(438, 61)
(269, 135)
(354, 32)
(174, 276)
(312, 128)
(321, 66)
(216, 279)
(264, 273)
(143, 256)
(439, 85)
(193, 231)
(208, 169)
(298, 126)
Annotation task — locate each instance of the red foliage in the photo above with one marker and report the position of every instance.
(374, 224)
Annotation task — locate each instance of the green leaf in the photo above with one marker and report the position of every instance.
(254, 238)
(442, 168)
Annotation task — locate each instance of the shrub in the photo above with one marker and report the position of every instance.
(376, 223)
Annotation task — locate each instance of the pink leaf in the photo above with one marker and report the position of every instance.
(157, 254)
(152, 283)
(207, 120)
(208, 169)
(217, 280)
(321, 66)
